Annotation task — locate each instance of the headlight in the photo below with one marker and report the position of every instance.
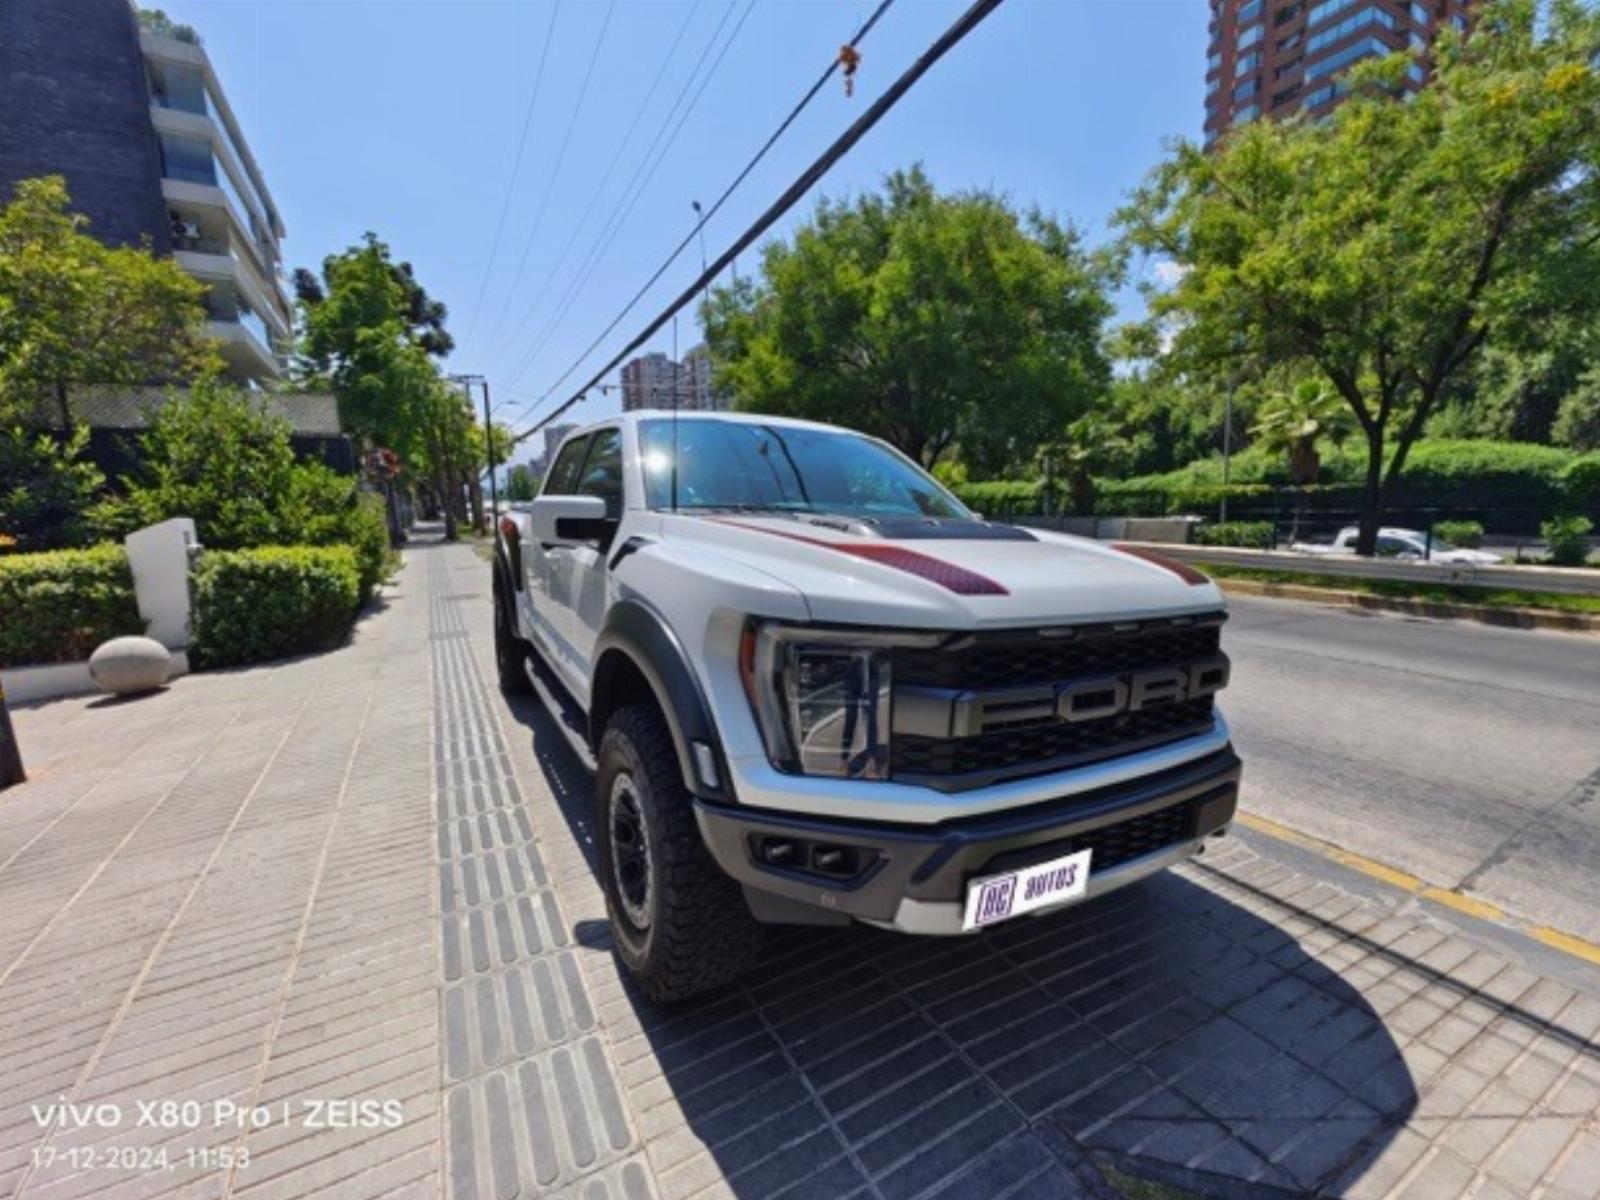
(822, 697)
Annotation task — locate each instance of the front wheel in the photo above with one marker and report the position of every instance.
(679, 924)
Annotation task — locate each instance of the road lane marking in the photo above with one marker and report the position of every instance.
(1482, 910)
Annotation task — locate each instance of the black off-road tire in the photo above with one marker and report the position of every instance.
(699, 933)
(510, 651)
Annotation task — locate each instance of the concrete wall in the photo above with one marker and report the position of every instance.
(74, 102)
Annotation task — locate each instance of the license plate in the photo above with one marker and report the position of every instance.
(1000, 897)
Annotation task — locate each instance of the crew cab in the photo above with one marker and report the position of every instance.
(814, 688)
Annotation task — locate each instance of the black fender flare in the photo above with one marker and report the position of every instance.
(637, 633)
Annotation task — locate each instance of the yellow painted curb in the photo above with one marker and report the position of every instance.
(1567, 943)
(1481, 909)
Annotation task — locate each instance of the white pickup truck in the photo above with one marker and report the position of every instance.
(814, 688)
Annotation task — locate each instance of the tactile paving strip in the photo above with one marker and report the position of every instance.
(533, 1106)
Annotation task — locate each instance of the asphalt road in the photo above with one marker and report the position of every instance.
(1464, 754)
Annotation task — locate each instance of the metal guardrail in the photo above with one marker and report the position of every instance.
(1573, 581)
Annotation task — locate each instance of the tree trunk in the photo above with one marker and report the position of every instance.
(1371, 495)
(64, 410)
(446, 505)
(476, 491)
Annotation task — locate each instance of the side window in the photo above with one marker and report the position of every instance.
(563, 474)
(602, 472)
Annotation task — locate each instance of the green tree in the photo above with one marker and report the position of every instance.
(1578, 420)
(521, 483)
(217, 455)
(74, 311)
(1382, 248)
(46, 489)
(369, 332)
(927, 319)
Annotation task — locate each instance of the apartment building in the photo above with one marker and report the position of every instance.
(655, 380)
(129, 109)
(1272, 58)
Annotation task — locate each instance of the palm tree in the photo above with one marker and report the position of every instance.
(1295, 421)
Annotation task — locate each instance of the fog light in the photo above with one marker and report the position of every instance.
(777, 852)
(834, 859)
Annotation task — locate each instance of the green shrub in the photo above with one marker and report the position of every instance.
(252, 605)
(1002, 498)
(1466, 534)
(46, 487)
(324, 508)
(1580, 483)
(1253, 535)
(1568, 539)
(60, 604)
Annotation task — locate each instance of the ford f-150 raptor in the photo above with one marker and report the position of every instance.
(814, 688)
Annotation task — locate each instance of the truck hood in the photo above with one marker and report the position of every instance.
(946, 574)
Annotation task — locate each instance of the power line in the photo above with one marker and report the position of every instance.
(948, 40)
(789, 120)
(563, 310)
(630, 195)
(555, 170)
(612, 166)
(516, 167)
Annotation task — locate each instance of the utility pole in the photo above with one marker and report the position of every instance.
(1227, 443)
(488, 450)
(474, 482)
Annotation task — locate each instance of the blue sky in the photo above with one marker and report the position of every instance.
(403, 117)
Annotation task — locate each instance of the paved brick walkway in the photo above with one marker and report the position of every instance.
(364, 876)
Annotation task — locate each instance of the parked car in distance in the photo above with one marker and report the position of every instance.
(1403, 543)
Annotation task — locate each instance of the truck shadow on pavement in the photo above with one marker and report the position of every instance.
(1165, 1030)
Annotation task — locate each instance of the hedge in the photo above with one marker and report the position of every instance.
(60, 604)
(1252, 535)
(274, 601)
(1439, 473)
(1580, 482)
(1002, 498)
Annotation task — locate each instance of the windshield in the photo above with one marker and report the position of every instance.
(742, 465)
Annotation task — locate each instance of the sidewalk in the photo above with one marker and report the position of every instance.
(365, 877)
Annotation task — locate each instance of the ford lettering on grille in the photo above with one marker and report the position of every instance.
(969, 713)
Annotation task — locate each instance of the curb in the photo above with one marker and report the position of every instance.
(56, 681)
(1514, 618)
(1567, 943)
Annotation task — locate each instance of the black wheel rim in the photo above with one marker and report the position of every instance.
(630, 852)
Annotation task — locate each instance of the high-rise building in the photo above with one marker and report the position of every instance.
(1271, 58)
(654, 380)
(128, 108)
(649, 381)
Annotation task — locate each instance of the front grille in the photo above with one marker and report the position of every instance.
(1013, 659)
(1048, 747)
(1034, 658)
(1112, 844)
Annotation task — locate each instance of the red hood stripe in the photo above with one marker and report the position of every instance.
(947, 575)
(1181, 569)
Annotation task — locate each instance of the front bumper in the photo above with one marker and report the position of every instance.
(914, 877)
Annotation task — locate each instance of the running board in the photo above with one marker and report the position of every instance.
(565, 715)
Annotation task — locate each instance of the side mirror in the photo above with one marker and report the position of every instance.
(569, 520)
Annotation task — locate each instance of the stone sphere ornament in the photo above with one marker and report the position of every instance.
(126, 665)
